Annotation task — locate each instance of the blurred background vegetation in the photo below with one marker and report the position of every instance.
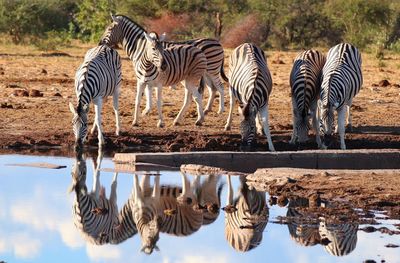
(51, 24)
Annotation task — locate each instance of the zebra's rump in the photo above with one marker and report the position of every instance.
(305, 78)
(341, 75)
(249, 76)
(95, 227)
(99, 74)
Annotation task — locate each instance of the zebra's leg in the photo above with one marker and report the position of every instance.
(349, 119)
(231, 105)
(139, 93)
(115, 107)
(230, 191)
(294, 121)
(137, 194)
(98, 103)
(220, 87)
(113, 193)
(156, 188)
(341, 126)
(183, 197)
(160, 122)
(265, 121)
(184, 107)
(259, 124)
(198, 99)
(212, 92)
(147, 92)
(315, 123)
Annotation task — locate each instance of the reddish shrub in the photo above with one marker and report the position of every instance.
(248, 29)
(173, 25)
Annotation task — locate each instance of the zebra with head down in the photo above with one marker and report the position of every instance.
(246, 217)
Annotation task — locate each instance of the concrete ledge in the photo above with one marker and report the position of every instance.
(250, 161)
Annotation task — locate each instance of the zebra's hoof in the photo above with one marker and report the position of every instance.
(207, 111)
(175, 123)
(135, 124)
(227, 128)
(145, 112)
(220, 111)
(349, 128)
(199, 123)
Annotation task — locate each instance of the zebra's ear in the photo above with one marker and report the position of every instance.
(156, 248)
(72, 108)
(163, 37)
(113, 17)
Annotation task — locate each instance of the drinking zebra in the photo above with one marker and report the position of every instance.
(146, 212)
(131, 35)
(338, 239)
(209, 197)
(246, 217)
(98, 77)
(305, 83)
(250, 83)
(341, 81)
(95, 215)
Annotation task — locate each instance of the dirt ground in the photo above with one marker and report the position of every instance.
(32, 122)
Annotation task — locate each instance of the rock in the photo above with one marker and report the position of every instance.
(384, 83)
(13, 86)
(44, 72)
(35, 93)
(396, 85)
(57, 94)
(20, 93)
(5, 105)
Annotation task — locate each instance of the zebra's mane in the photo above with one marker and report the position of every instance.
(131, 21)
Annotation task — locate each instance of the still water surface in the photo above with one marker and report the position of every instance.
(37, 222)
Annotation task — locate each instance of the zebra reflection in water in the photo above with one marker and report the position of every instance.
(96, 216)
(246, 217)
(338, 239)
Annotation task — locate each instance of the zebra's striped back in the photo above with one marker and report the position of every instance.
(340, 239)
(245, 225)
(251, 83)
(341, 81)
(99, 74)
(305, 83)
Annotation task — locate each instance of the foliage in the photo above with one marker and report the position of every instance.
(268, 23)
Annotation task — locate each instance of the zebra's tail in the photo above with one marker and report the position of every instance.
(202, 85)
(222, 72)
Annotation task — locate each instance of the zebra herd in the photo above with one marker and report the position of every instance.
(183, 210)
(319, 86)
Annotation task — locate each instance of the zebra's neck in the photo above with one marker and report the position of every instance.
(133, 40)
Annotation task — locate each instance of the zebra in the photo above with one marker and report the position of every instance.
(341, 81)
(338, 239)
(300, 228)
(250, 83)
(131, 35)
(98, 77)
(246, 217)
(305, 83)
(146, 212)
(95, 216)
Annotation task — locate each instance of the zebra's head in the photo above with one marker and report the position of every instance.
(248, 125)
(150, 236)
(113, 35)
(155, 50)
(79, 122)
(302, 128)
(327, 122)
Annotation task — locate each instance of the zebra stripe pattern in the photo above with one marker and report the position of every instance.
(305, 83)
(244, 225)
(339, 239)
(250, 83)
(131, 35)
(94, 215)
(341, 81)
(98, 77)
